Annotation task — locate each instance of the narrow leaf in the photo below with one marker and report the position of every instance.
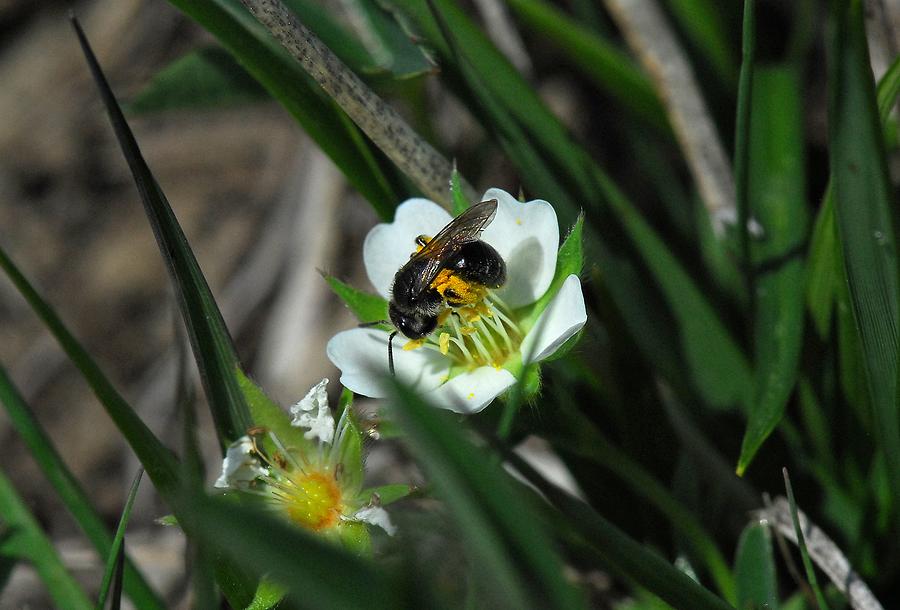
(205, 78)
(157, 460)
(606, 64)
(318, 574)
(211, 343)
(501, 534)
(68, 489)
(619, 552)
(777, 201)
(23, 539)
(114, 561)
(863, 206)
(757, 584)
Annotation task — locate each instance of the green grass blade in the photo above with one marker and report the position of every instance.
(205, 78)
(318, 574)
(888, 90)
(114, 561)
(801, 542)
(580, 437)
(611, 68)
(391, 48)
(757, 583)
(503, 537)
(280, 75)
(865, 220)
(158, 461)
(620, 553)
(777, 201)
(213, 349)
(742, 137)
(701, 20)
(68, 489)
(23, 539)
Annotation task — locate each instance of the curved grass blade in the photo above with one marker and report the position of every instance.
(581, 438)
(23, 539)
(318, 574)
(115, 559)
(865, 220)
(801, 542)
(777, 201)
(754, 568)
(503, 536)
(742, 137)
(622, 554)
(158, 460)
(605, 63)
(275, 70)
(213, 349)
(702, 21)
(69, 490)
(205, 78)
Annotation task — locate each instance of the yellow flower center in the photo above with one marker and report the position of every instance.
(483, 333)
(312, 500)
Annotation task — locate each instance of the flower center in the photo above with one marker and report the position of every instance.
(484, 333)
(314, 501)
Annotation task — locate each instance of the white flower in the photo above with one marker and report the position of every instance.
(313, 412)
(471, 358)
(317, 486)
(240, 466)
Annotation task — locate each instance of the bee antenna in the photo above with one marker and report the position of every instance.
(391, 353)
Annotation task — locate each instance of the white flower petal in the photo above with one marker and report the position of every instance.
(564, 316)
(375, 515)
(471, 392)
(362, 356)
(526, 235)
(312, 412)
(239, 466)
(388, 245)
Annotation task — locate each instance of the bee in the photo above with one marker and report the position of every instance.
(452, 269)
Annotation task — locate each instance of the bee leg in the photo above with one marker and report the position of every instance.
(391, 353)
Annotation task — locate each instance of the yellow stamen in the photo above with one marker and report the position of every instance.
(444, 343)
(413, 344)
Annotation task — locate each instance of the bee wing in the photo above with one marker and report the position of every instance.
(465, 228)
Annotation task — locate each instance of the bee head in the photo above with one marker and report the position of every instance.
(413, 325)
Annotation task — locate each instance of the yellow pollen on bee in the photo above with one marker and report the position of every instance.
(444, 343)
(461, 291)
(314, 502)
(413, 344)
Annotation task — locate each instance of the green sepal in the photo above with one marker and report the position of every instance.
(387, 494)
(354, 537)
(268, 595)
(365, 306)
(458, 199)
(569, 260)
(350, 450)
(167, 520)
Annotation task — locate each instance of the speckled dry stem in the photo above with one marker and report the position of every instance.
(651, 38)
(426, 167)
(823, 551)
